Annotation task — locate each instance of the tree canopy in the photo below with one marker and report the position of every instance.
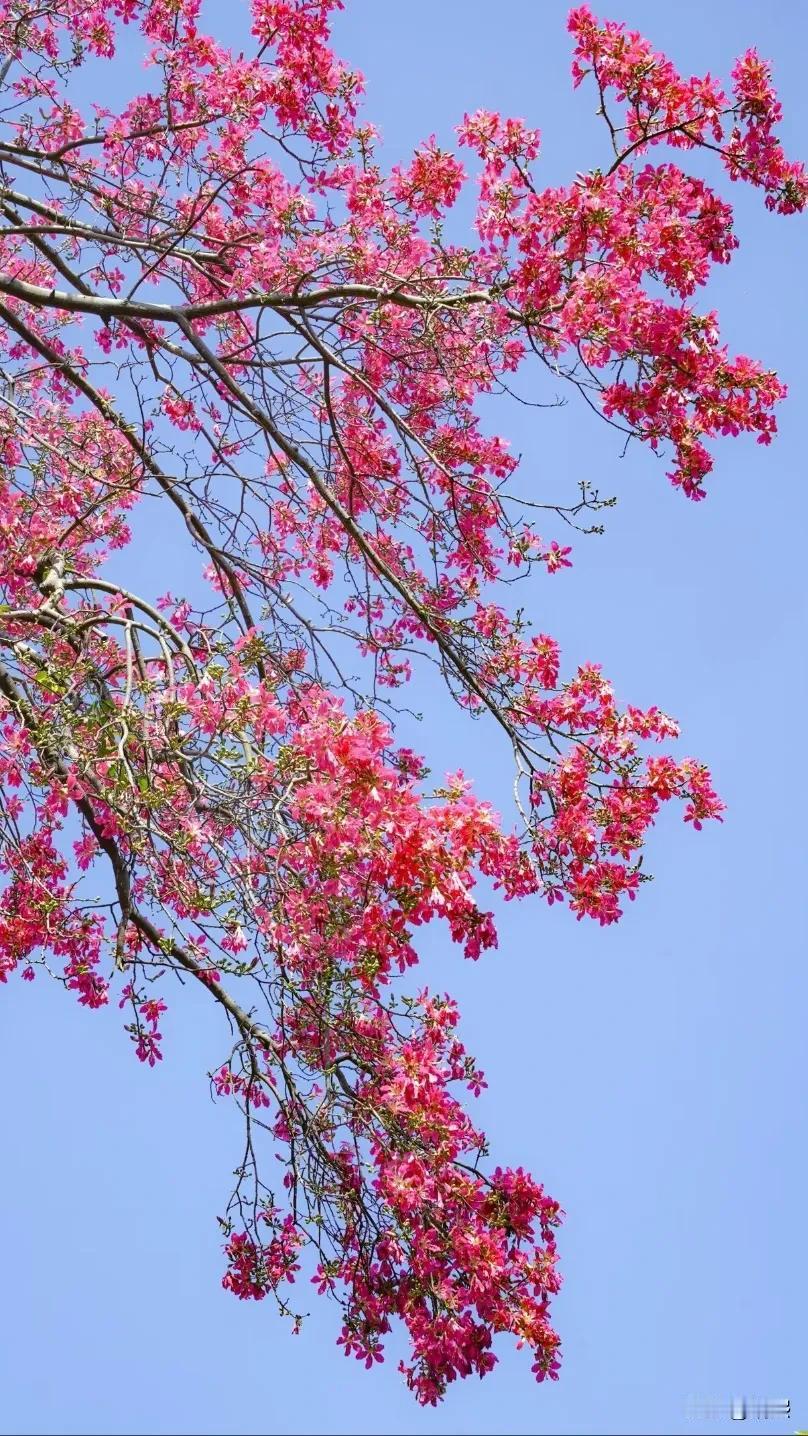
(214, 300)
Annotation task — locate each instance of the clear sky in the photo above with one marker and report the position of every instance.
(652, 1075)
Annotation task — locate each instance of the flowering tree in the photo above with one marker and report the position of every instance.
(213, 299)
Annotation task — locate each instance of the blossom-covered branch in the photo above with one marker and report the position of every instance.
(228, 314)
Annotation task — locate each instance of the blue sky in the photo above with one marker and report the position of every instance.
(651, 1075)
